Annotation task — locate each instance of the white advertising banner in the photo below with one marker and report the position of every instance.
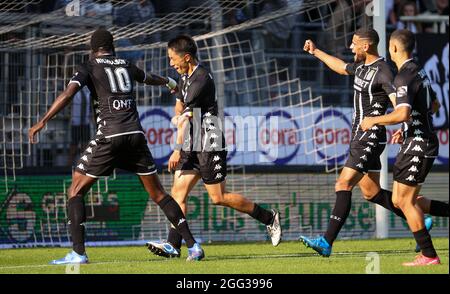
(275, 136)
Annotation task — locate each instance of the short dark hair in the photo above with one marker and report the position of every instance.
(370, 34)
(406, 38)
(183, 44)
(102, 39)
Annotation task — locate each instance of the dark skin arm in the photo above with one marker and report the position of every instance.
(155, 80)
(60, 102)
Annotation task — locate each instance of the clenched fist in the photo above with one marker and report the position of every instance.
(309, 47)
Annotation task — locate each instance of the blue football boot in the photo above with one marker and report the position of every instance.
(195, 253)
(164, 249)
(71, 258)
(320, 245)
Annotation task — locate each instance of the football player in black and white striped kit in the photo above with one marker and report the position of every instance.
(415, 104)
(119, 141)
(373, 91)
(201, 154)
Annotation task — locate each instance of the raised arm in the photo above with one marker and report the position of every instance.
(60, 102)
(335, 64)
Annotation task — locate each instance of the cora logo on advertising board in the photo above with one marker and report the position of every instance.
(332, 135)
(159, 133)
(278, 135)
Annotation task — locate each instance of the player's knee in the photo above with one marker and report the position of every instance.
(217, 200)
(398, 202)
(342, 185)
(367, 197)
(179, 195)
(158, 196)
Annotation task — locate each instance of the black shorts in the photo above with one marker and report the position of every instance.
(211, 165)
(364, 156)
(410, 169)
(128, 152)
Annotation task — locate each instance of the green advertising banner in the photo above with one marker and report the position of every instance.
(33, 213)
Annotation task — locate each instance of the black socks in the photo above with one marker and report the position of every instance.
(340, 213)
(77, 217)
(384, 198)
(439, 208)
(173, 212)
(263, 215)
(423, 239)
(174, 238)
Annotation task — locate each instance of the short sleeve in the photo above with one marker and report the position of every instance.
(386, 79)
(81, 76)
(350, 68)
(403, 96)
(179, 94)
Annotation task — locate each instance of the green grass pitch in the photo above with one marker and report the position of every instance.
(292, 257)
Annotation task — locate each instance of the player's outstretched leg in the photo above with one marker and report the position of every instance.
(173, 213)
(76, 208)
(271, 218)
(319, 244)
(344, 185)
(164, 249)
(404, 197)
(274, 229)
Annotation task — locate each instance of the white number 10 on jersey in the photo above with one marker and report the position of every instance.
(123, 79)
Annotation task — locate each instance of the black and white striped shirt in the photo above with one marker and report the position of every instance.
(373, 83)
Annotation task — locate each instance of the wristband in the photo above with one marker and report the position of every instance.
(171, 84)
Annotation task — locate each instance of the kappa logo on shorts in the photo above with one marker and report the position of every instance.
(375, 112)
(413, 168)
(360, 165)
(182, 220)
(415, 113)
(368, 149)
(377, 105)
(418, 139)
(411, 178)
(416, 122)
(373, 136)
(374, 128)
(417, 148)
(364, 157)
(84, 158)
(371, 143)
(415, 159)
(219, 176)
(93, 143)
(218, 167)
(89, 150)
(214, 136)
(81, 166)
(214, 145)
(216, 158)
(418, 132)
